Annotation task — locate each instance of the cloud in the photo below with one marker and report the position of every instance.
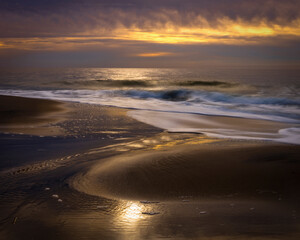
(154, 54)
(150, 28)
(30, 18)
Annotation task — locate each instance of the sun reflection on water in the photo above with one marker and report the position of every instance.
(129, 213)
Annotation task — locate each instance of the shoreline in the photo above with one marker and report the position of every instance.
(223, 127)
(61, 129)
(109, 173)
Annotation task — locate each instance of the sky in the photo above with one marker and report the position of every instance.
(149, 33)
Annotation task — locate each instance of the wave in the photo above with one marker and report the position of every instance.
(172, 95)
(204, 83)
(184, 104)
(180, 100)
(107, 83)
(204, 96)
(114, 83)
(226, 98)
(126, 83)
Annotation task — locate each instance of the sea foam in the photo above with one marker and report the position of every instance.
(179, 110)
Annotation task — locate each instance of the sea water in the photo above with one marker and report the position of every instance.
(178, 99)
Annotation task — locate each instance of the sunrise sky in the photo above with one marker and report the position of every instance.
(148, 33)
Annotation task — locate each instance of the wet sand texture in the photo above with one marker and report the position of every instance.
(19, 110)
(26, 115)
(203, 171)
(212, 190)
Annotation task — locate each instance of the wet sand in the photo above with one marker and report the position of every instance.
(202, 171)
(110, 177)
(60, 129)
(29, 116)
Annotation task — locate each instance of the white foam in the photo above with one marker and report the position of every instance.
(174, 122)
(133, 100)
(290, 135)
(183, 115)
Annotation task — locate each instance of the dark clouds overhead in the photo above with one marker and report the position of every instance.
(42, 17)
(180, 29)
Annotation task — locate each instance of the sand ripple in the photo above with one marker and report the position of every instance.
(201, 171)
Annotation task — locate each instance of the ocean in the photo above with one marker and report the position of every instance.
(220, 102)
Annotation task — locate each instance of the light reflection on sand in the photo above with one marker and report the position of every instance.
(129, 213)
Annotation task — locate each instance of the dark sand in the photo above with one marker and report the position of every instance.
(29, 116)
(60, 129)
(105, 175)
(202, 171)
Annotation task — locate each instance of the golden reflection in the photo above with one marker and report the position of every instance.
(191, 141)
(129, 213)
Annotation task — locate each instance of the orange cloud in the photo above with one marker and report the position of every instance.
(228, 32)
(154, 54)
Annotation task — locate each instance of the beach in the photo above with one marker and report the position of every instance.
(150, 120)
(25, 115)
(84, 171)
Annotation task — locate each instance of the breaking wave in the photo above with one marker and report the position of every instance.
(184, 101)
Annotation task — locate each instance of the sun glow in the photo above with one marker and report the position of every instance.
(227, 31)
(154, 54)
